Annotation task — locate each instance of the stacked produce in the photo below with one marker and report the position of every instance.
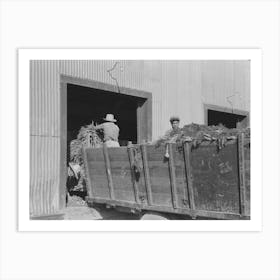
(196, 134)
(86, 137)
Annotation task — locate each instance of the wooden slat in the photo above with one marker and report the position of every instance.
(241, 161)
(146, 174)
(174, 194)
(189, 179)
(131, 161)
(89, 183)
(108, 172)
(166, 209)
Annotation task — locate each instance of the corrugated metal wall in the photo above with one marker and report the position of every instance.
(44, 175)
(44, 98)
(178, 87)
(226, 84)
(44, 138)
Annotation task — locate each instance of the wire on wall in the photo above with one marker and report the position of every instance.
(112, 77)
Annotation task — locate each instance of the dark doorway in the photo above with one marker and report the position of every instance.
(86, 105)
(85, 101)
(229, 120)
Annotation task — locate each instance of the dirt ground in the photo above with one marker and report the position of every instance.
(77, 209)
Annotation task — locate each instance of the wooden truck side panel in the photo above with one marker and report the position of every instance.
(95, 168)
(215, 178)
(205, 181)
(167, 177)
(247, 176)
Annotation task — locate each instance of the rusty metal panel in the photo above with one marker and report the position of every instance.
(44, 98)
(44, 175)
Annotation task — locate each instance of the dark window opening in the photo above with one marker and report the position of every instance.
(229, 120)
(86, 105)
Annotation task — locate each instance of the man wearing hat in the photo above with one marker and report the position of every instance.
(172, 134)
(110, 131)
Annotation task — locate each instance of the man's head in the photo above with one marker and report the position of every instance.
(174, 121)
(109, 118)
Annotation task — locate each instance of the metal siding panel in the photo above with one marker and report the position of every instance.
(44, 138)
(242, 84)
(191, 107)
(89, 69)
(151, 82)
(226, 84)
(178, 87)
(44, 98)
(44, 175)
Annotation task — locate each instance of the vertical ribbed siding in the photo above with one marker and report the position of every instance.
(45, 137)
(44, 175)
(178, 87)
(190, 92)
(44, 98)
(152, 82)
(128, 73)
(226, 84)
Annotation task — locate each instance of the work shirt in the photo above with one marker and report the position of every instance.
(171, 135)
(110, 130)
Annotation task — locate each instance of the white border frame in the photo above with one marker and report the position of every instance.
(254, 55)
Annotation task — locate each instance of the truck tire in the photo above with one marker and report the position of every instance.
(153, 216)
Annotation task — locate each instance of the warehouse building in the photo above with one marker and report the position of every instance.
(65, 95)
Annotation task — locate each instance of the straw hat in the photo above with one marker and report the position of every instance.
(109, 118)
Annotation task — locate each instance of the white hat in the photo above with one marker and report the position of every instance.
(110, 118)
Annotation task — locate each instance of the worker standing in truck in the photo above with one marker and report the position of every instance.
(175, 130)
(171, 135)
(110, 131)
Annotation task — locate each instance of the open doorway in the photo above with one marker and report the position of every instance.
(215, 115)
(84, 102)
(86, 105)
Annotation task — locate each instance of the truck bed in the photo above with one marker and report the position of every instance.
(202, 182)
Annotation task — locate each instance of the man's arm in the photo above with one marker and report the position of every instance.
(163, 138)
(166, 135)
(98, 127)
